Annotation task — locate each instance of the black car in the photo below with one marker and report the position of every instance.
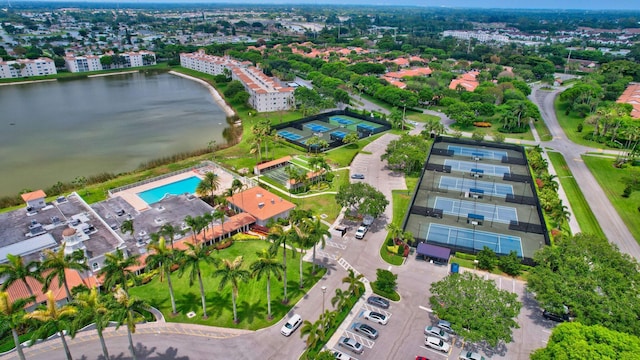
(357, 176)
(378, 301)
(555, 317)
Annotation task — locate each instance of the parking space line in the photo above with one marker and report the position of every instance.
(425, 309)
(437, 352)
(366, 342)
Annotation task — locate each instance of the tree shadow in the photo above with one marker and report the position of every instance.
(249, 311)
(188, 302)
(327, 264)
(217, 303)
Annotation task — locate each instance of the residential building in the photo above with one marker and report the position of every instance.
(92, 62)
(27, 68)
(468, 81)
(265, 93)
(261, 204)
(82, 63)
(631, 95)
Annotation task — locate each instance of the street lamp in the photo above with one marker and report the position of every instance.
(324, 291)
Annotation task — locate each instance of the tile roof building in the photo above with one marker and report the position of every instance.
(261, 204)
(468, 81)
(92, 62)
(27, 68)
(631, 95)
(265, 93)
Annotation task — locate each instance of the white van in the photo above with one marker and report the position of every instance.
(291, 325)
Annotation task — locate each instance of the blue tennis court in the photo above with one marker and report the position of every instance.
(316, 127)
(367, 127)
(501, 214)
(341, 120)
(465, 185)
(338, 135)
(474, 239)
(468, 166)
(289, 135)
(473, 152)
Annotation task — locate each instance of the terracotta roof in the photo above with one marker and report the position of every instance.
(631, 95)
(260, 203)
(68, 231)
(275, 162)
(468, 81)
(34, 195)
(18, 290)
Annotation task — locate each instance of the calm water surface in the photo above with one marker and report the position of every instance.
(55, 131)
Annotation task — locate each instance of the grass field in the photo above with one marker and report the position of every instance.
(581, 209)
(569, 124)
(610, 179)
(252, 296)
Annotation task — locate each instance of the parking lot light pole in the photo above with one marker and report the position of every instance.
(324, 291)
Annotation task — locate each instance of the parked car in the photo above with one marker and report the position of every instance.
(376, 317)
(437, 332)
(357, 176)
(437, 344)
(367, 330)
(446, 326)
(291, 325)
(351, 344)
(555, 317)
(470, 355)
(339, 355)
(361, 231)
(421, 358)
(378, 301)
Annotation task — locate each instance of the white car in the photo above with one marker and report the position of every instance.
(339, 355)
(291, 325)
(470, 355)
(437, 344)
(437, 332)
(361, 231)
(376, 317)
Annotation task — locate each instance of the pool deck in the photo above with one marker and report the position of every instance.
(131, 195)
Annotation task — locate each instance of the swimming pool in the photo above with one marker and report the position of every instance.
(154, 195)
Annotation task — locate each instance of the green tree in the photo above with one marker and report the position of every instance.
(192, 258)
(267, 265)
(487, 259)
(386, 281)
(350, 138)
(92, 308)
(12, 316)
(170, 231)
(127, 312)
(209, 185)
(55, 265)
(116, 269)
(470, 303)
(15, 269)
(314, 332)
(278, 236)
(510, 264)
(317, 235)
(340, 300)
(575, 341)
(127, 227)
(589, 276)
(53, 319)
(354, 282)
(232, 273)
(362, 198)
(406, 154)
(163, 258)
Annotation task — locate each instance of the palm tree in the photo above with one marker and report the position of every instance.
(209, 184)
(267, 265)
(169, 231)
(93, 308)
(128, 308)
(314, 332)
(207, 219)
(278, 236)
(196, 224)
(127, 227)
(163, 258)
(232, 273)
(219, 215)
(117, 269)
(192, 258)
(54, 319)
(12, 315)
(355, 283)
(317, 234)
(340, 299)
(394, 230)
(57, 263)
(15, 269)
(301, 238)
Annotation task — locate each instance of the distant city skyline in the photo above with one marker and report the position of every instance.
(480, 4)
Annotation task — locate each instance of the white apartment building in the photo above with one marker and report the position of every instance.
(27, 68)
(478, 35)
(265, 93)
(92, 62)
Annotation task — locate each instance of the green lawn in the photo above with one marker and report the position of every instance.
(569, 124)
(581, 209)
(610, 179)
(343, 155)
(401, 199)
(543, 130)
(252, 296)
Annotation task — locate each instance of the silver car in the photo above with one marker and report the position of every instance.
(351, 344)
(367, 330)
(437, 332)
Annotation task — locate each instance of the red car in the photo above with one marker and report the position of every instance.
(421, 358)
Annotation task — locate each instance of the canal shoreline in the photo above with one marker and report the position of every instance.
(214, 93)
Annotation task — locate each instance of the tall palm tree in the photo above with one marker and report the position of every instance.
(208, 185)
(163, 258)
(355, 283)
(219, 215)
(170, 231)
(57, 262)
(127, 227)
(92, 308)
(127, 312)
(278, 236)
(54, 319)
(267, 265)
(12, 315)
(317, 233)
(16, 270)
(191, 258)
(314, 332)
(196, 224)
(340, 299)
(231, 273)
(117, 269)
(208, 219)
(394, 230)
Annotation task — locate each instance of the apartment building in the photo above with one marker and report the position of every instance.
(82, 63)
(27, 68)
(265, 93)
(126, 60)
